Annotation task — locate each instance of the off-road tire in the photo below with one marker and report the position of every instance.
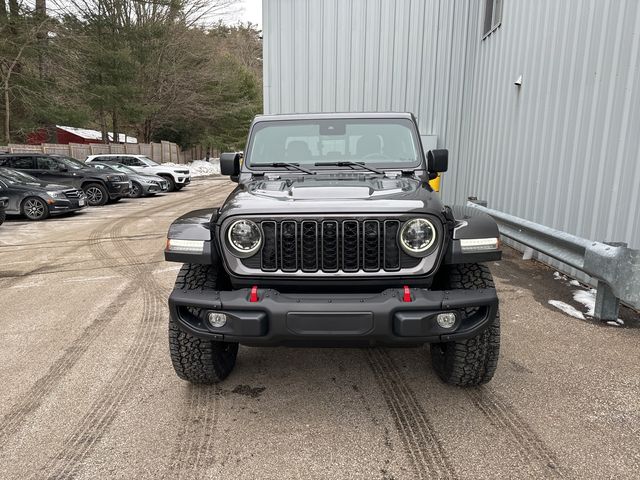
(195, 359)
(171, 184)
(3, 216)
(179, 186)
(92, 199)
(470, 362)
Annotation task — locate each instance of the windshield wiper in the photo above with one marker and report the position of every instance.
(346, 163)
(285, 165)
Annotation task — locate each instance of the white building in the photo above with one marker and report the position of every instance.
(560, 148)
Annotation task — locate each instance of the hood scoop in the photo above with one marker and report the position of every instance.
(355, 188)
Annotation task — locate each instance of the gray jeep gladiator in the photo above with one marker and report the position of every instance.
(333, 237)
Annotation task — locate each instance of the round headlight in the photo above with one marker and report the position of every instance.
(244, 237)
(417, 236)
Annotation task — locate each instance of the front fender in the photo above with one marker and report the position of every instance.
(469, 224)
(190, 238)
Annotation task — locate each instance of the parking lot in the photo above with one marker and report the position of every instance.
(88, 390)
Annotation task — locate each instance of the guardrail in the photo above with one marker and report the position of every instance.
(615, 266)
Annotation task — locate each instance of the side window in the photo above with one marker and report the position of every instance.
(46, 163)
(492, 16)
(131, 161)
(25, 163)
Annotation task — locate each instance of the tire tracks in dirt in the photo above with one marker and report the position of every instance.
(33, 397)
(94, 424)
(525, 442)
(193, 449)
(419, 437)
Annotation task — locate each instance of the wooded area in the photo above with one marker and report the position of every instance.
(158, 70)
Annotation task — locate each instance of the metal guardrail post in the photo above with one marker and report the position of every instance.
(615, 266)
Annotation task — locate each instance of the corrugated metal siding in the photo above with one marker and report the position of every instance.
(562, 150)
(367, 55)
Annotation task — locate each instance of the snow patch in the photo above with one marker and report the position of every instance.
(559, 276)
(200, 168)
(574, 283)
(586, 298)
(566, 308)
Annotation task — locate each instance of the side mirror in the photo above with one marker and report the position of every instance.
(437, 161)
(230, 165)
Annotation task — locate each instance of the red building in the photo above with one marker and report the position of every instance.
(67, 135)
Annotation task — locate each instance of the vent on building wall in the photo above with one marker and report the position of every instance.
(492, 16)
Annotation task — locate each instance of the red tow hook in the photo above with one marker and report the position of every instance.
(407, 294)
(253, 296)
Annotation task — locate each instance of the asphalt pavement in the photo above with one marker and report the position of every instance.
(88, 391)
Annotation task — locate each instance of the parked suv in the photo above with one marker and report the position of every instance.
(334, 237)
(176, 177)
(99, 187)
(141, 184)
(4, 201)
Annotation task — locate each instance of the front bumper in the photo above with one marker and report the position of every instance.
(150, 188)
(334, 320)
(69, 205)
(183, 179)
(118, 189)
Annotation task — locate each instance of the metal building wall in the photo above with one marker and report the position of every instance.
(367, 55)
(562, 150)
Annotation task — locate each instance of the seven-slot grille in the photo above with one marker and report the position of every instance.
(330, 245)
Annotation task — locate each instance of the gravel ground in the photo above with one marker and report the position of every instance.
(88, 390)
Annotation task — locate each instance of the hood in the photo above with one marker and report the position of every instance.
(332, 194)
(39, 186)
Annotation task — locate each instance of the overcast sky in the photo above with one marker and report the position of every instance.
(252, 12)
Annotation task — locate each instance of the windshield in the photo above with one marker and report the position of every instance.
(14, 176)
(71, 163)
(385, 142)
(148, 161)
(122, 168)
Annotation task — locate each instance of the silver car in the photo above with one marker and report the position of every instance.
(141, 184)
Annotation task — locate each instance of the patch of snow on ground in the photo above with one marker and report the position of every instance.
(566, 308)
(558, 276)
(587, 298)
(574, 283)
(200, 168)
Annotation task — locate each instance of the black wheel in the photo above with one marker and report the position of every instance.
(3, 216)
(473, 361)
(179, 186)
(195, 359)
(171, 184)
(96, 194)
(136, 190)
(35, 208)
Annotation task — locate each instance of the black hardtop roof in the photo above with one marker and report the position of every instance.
(33, 154)
(333, 116)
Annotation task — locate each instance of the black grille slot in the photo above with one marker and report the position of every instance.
(350, 245)
(309, 246)
(329, 245)
(330, 252)
(371, 245)
(391, 252)
(269, 247)
(289, 240)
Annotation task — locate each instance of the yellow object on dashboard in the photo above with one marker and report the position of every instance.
(435, 183)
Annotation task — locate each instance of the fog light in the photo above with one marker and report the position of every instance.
(446, 320)
(217, 320)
